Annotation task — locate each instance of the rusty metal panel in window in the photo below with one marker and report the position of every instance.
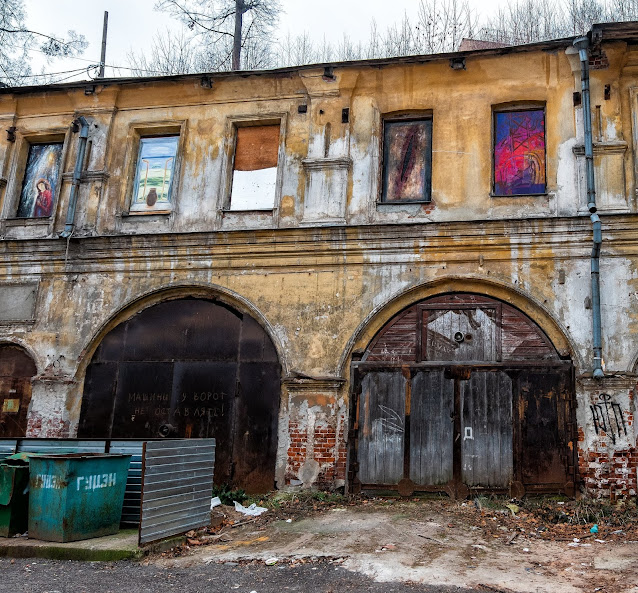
(257, 147)
(407, 160)
(177, 484)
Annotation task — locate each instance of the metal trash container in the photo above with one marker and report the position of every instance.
(14, 494)
(76, 496)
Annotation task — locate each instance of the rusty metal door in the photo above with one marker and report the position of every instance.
(546, 426)
(190, 368)
(16, 370)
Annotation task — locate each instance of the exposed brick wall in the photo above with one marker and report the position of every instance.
(49, 427)
(599, 61)
(296, 450)
(608, 466)
(324, 443)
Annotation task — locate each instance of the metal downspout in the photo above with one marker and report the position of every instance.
(77, 173)
(582, 44)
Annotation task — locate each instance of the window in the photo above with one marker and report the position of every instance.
(255, 167)
(154, 174)
(519, 152)
(40, 181)
(407, 160)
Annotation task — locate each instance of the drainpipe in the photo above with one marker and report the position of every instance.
(582, 44)
(77, 173)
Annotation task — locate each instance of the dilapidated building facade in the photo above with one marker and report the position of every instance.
(373, 274)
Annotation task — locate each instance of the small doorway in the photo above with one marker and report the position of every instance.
(16, 371)
(462, 393)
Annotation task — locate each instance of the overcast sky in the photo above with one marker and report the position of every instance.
(134, 23)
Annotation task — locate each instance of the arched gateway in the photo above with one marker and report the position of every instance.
(16, 371)
(190, 368)
(463, 392)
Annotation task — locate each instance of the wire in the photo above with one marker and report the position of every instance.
(94, 62)
(76, 71)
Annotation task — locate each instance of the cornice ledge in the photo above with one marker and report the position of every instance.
(298, 382)
(613, 147)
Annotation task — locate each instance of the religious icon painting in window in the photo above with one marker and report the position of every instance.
(41, 176)
(519, 152)
(407, 160)
(154, 175)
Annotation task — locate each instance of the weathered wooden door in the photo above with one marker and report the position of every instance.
(462, 392)
(435, 428)
(16, 370)
(486, 430)
(190, 368)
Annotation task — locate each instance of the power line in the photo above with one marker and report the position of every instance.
(92, 62)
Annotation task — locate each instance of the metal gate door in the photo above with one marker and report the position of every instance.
(190, 368)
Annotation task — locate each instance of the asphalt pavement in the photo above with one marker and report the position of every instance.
(54, 576)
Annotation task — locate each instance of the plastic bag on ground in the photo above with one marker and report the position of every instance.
(253, 510)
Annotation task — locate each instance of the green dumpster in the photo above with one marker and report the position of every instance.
(76, 496)
(14, 494)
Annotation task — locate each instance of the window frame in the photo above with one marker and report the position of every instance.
(403, 117)
(508, 108)
(244, 121)
(15, 182)
(137, 132)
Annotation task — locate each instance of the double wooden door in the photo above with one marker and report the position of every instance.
(458, 427)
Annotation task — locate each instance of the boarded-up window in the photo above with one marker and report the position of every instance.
(255, 168)
(519, 152)
(407, 160)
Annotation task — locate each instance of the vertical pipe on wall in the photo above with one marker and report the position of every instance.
(77, 173)
(582, 44)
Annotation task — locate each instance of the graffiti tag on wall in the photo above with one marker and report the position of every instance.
(608, 417)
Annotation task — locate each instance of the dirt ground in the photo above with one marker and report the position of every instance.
(490, 544)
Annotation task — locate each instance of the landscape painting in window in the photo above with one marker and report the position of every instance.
(519, 152)
(154, 176)
(407, 161)
(40, 181)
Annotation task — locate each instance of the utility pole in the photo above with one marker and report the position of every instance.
(240, 8)
(103, 55)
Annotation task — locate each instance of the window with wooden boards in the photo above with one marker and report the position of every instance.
(255, 167)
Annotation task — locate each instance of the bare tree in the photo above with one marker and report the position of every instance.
(229, 28)
(438, 26)
(171, 53)
(16, 39)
